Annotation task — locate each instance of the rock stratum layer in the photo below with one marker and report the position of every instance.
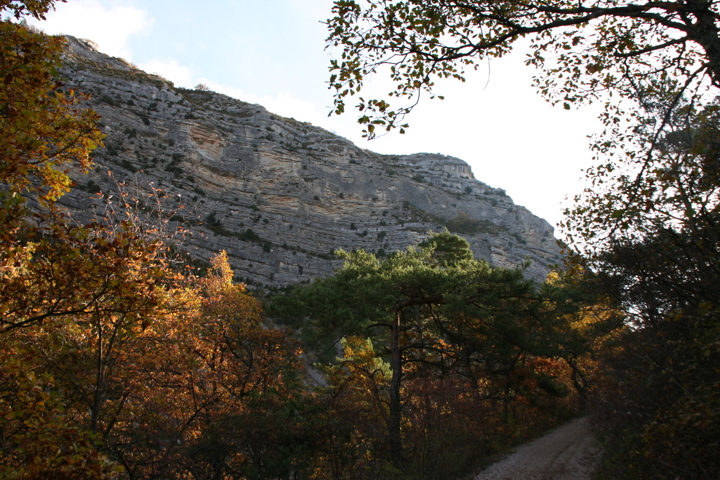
(277, 194)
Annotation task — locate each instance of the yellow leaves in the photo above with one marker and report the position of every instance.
(220, 271)
(136, 351)
(41, 438)
(70, 270)
(42, 128)
(139, 368)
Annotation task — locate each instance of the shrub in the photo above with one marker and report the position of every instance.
(92, 187)
(128, 166)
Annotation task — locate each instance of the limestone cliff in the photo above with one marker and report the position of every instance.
(277, 194)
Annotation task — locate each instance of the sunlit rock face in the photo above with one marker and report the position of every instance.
(277, 194)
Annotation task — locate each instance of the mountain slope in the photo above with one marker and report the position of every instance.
(277, 194)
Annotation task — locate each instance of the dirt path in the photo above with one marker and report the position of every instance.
(567, 453)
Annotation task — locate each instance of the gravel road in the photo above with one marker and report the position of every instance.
(567, 453)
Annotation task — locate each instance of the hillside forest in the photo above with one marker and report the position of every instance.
(120, 358)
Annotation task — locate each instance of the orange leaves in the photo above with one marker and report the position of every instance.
(235, 338)
(105, 351)
(203, 368)
(42, 128)
(39, 438)
(136, 365)
(61, 269)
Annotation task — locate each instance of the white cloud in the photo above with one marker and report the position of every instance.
(109, 27)
(178, 74)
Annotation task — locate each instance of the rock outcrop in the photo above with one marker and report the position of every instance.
(277, 194)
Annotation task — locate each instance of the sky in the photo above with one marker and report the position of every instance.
(272, 52)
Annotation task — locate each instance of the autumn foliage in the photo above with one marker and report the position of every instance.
(116, 362)
(43, 127)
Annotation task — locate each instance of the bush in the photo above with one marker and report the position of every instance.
(92, 187)
(128, 166)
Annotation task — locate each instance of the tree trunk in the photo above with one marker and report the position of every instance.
(394, 434)
(705, 32)
(579, 383)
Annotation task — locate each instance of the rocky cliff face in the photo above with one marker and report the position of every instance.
(277, 194)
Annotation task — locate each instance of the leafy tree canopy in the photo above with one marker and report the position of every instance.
(35, 8)
(43, 128)
(584, 48)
